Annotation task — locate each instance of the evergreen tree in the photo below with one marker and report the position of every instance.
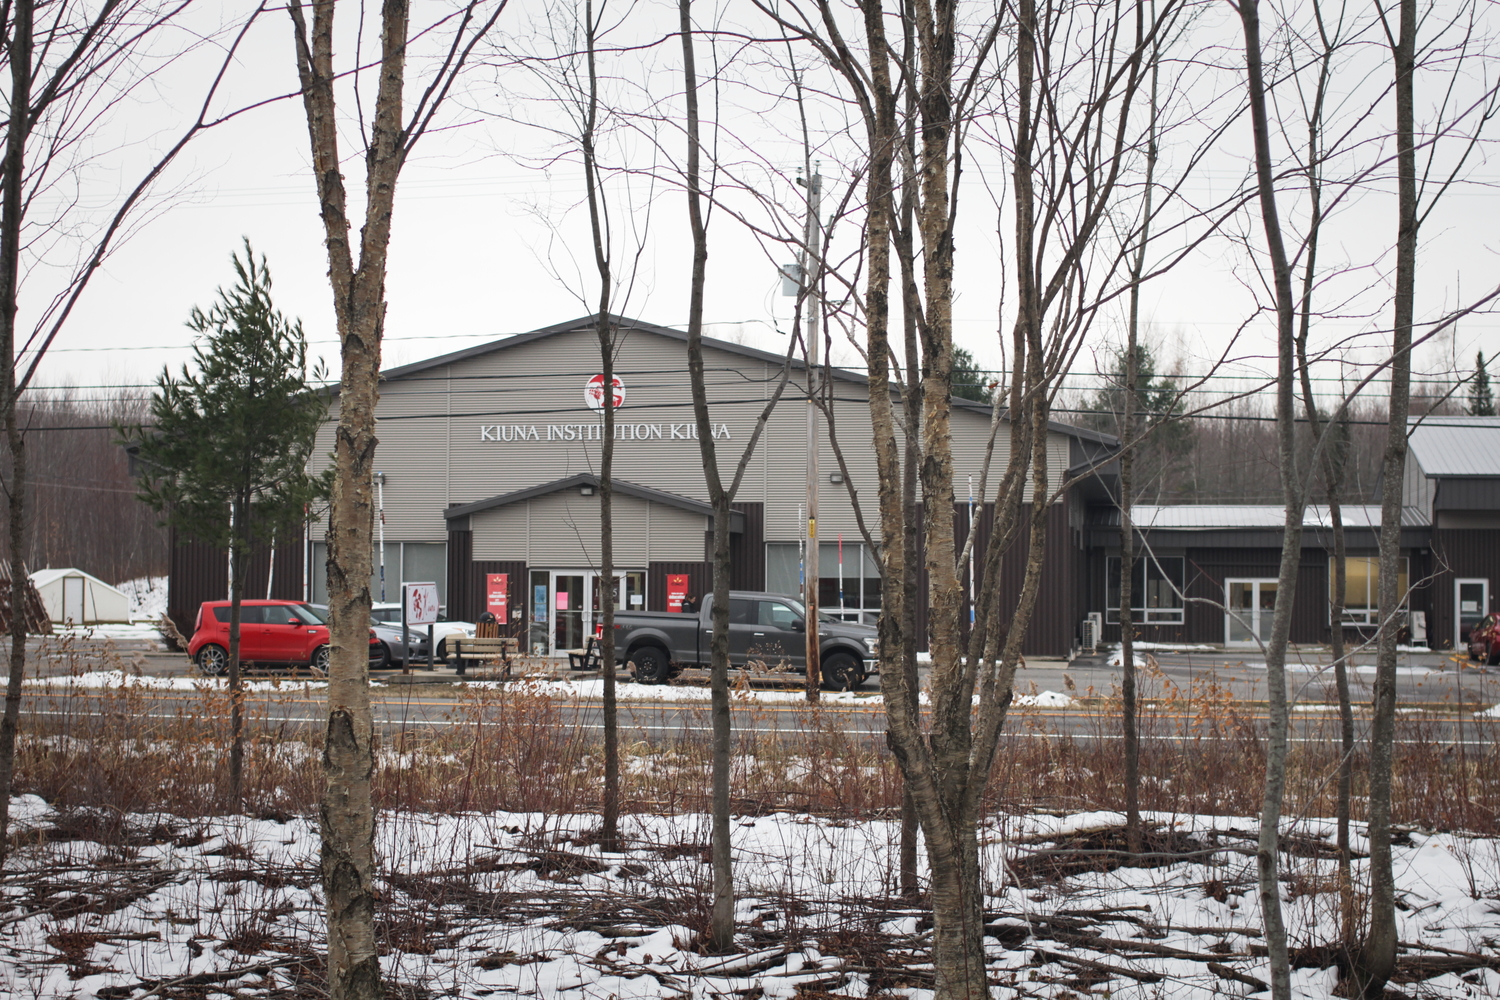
(225, 455)
(969, 380)
(1164, 436)
(1481, 398)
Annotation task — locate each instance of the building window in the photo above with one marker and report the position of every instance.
(1155, 590)
(1362, 589)
(414, 562)
(847, 588)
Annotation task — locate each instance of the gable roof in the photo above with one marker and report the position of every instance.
(1447, 447)
(627, 324)
(736, 519)
(42, 577)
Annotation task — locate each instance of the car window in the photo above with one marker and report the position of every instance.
(250, 614)
(309, 615)
(777, 615)
(742, 612)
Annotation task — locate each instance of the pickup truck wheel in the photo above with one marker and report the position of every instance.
(841, 672)
(651, 665)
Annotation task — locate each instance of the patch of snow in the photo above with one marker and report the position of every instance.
(1174, 647)
(148, 597)
(135, 630)
(1489, 713)
(109, 679)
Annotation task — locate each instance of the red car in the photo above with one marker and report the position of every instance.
(1484, 640)
(279, 632)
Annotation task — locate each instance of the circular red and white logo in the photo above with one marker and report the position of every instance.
(593, 393)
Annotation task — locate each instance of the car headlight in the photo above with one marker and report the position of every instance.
(873, 644)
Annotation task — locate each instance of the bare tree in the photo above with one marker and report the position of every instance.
(71, 67)
(358, 282)
(721, 927)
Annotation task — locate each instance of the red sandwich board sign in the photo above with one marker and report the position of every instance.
(677, 589)
(497, 596)
(593, 393)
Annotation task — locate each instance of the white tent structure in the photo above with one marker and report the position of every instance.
(71, 595)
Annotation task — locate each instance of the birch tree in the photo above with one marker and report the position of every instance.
(1085, 120)
(357, 276)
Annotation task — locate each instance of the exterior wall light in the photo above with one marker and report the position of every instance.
(587, 491)
(836, 477)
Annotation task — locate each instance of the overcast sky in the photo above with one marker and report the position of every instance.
(490, 239)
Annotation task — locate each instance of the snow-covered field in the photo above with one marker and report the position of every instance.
(527, 905)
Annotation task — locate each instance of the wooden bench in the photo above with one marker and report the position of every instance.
(484, 650)
(588, 658)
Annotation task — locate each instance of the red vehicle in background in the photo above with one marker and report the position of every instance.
(1484, 640)
(284, 633)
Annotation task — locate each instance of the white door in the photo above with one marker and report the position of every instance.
(1471, 602)
(73, 599)
(1249, 606)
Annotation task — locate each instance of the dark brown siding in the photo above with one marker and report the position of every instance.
(1208, 568)
(747, 550)
(1055, 618)
(1458, 553)
(700, 581)
(200, 572)
(466, 583)
(463, 595)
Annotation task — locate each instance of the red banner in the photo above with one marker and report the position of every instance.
(677, 589)
(497, 596)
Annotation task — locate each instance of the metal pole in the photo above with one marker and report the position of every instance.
(841, 574)
(812, 274)
(973, 552)
(380, 503)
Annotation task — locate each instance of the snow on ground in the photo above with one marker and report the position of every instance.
(508, 904)
(148, 597)
(136, 631)
(1173, 647)
(1489, 713)
(594, 689)
(105, 679)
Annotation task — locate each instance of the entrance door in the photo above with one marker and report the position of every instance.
(574, 603)
(72, 588)
(1250, 604)
(1471, 602)
(567, 611)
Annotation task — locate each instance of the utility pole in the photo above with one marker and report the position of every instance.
(811, 274)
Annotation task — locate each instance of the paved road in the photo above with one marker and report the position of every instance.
(1190, 693)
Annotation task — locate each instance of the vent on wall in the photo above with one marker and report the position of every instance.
(1092, 631)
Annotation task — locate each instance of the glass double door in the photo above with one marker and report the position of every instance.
(567, 604)
(1250, 605)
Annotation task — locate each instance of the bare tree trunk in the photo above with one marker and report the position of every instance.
(12, 177)
(1134, 839)
(1334, 461)
(610, 818)
(239, 539)
(1378, 957)
(721, 929)
(348, 814)
(1128, 722)
(1267, 851)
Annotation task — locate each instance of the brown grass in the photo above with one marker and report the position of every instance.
(139, 751)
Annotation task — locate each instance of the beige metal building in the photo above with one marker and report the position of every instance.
(489, 459)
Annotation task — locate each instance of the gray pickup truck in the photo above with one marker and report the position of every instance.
(767, 628)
